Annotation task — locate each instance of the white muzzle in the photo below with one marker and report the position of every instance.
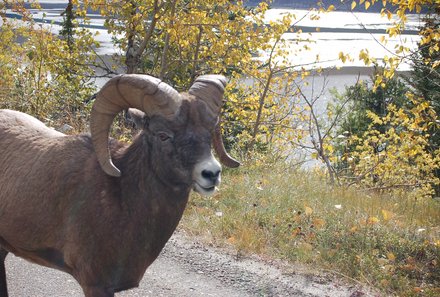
(207, 175)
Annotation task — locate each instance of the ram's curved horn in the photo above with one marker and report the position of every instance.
(210, 89)
(219, 147)
(143, 92)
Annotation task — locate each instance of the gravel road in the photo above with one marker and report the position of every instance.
(187, 268)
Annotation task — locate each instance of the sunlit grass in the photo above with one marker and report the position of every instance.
(390, 243)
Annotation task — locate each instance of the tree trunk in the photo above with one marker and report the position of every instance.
(133, 55)
(163, 63)
(260, 111)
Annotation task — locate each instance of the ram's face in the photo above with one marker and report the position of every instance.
(180, 150)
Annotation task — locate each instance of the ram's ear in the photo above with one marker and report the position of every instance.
(138, 117)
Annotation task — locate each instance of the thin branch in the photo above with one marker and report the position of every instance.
(149, 32)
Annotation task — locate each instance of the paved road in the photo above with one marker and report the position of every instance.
(189, 269)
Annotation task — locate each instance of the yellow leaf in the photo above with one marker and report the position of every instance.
(342, 57)
(308, 211)
(389, 15)
(372, 220)
(353, 5)
(296, 232)
(367, 5)
(318, 223)
(231, 240)
(391, 257)
(387, 215)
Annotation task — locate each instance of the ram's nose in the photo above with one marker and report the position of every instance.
(212, 176)
(207, 175)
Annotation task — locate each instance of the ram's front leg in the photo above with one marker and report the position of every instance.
(97, 292)
(3, 285)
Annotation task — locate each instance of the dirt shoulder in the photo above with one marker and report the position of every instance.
(187, 268)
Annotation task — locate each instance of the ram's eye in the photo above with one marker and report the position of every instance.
(163, 136)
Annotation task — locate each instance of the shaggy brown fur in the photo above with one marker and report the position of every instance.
(59, 209)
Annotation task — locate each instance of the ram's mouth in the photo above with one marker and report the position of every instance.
(204, 190)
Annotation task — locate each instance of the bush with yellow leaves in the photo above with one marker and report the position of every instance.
(399, 159)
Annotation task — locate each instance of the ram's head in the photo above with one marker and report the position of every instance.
(177, 129)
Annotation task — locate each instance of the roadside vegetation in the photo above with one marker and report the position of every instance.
(390, 243)
(368, 209)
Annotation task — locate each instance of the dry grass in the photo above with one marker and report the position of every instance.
(390, 243)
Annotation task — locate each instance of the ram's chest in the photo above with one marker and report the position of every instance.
(119, 251)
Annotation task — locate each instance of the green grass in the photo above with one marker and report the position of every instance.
(389, 243)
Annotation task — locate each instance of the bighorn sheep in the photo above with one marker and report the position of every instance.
(101, 210)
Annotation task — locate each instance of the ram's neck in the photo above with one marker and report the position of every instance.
(138, 174)
(155, 206)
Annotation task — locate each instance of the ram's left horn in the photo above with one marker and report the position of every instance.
(210, 89)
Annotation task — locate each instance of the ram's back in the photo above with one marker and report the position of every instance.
(41, 170)
(15, 122)
(25, 143)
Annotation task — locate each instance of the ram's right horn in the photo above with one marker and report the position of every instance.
(144, 92)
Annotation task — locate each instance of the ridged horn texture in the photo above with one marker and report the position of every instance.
(143, 92)
(219, 147)
(210, 89)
